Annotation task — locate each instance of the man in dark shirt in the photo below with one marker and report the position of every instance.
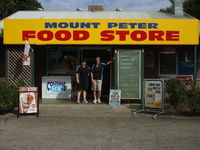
(97, 77)
(82, 73)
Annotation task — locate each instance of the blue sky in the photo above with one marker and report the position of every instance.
(142, 5)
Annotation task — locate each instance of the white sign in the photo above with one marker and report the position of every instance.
(27, 48)
(115, 97)
(153, 94)
(26, 61)
(56, 87)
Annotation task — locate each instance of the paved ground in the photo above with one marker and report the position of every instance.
(97, 127)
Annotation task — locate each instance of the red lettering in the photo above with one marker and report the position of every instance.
(81, 35)
(63, 35)
(45, 35)
(28, 34)
(138, 35)
(172, 35)
(122, 35)
(107, 35)
(156, 35)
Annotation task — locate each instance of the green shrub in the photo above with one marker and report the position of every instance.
(8, 95)
(183, 94)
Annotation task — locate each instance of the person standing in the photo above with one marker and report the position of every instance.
(82, 73)
(97, 78)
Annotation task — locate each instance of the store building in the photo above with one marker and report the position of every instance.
(149, 45)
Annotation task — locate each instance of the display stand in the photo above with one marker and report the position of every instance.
(28, 103)
(153, 99)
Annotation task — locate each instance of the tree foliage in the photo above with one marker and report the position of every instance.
(191, 7)
(183, 94)
(169, 9)
(8, 7)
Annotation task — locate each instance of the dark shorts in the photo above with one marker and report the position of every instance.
(82, 86)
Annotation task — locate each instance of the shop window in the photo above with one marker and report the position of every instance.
(185, 63)
(167, 63)
(62, 60)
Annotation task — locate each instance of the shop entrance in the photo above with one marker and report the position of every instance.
(89, 54)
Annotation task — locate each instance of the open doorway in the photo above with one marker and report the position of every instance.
(89, 54)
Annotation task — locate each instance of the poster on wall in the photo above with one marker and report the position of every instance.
(28, 100)
(62, 60)
(153, 93)
(56, 87)
(115, 97)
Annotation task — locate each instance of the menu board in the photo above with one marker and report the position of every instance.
(153, 93)
(129, 74)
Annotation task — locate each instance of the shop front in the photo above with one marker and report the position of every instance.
(142, 48)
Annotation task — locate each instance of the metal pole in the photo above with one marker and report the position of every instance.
(142, 78)
(32, 68)
(195, 62)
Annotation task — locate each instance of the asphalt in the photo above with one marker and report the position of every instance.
(97, 127)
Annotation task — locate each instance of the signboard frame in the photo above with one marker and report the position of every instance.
(158, 111)
(101, 31)
(33, 92)
(140, 72)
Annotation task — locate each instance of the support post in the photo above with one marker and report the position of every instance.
(195, 62)
(6, 62)
(32, 68)
(142, 78)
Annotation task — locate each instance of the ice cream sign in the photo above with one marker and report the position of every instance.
(56, 87)
(101, 31)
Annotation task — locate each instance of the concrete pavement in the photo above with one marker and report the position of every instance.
(97, 127)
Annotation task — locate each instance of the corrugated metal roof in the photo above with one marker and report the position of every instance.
(92, 15)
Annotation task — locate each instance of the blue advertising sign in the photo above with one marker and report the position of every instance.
(53, 86)
(115, 97)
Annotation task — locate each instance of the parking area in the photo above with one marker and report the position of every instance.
(97, 127)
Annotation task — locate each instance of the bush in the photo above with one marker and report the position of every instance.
(183, 94)
(8, 95)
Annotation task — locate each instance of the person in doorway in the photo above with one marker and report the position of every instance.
(97, 78)
(82, 73)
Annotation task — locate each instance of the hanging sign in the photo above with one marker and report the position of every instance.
(26, 60)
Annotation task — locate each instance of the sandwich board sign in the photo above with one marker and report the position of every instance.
(28, 101)
(153, 94)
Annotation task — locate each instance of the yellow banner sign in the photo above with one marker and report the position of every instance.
(102, 31)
